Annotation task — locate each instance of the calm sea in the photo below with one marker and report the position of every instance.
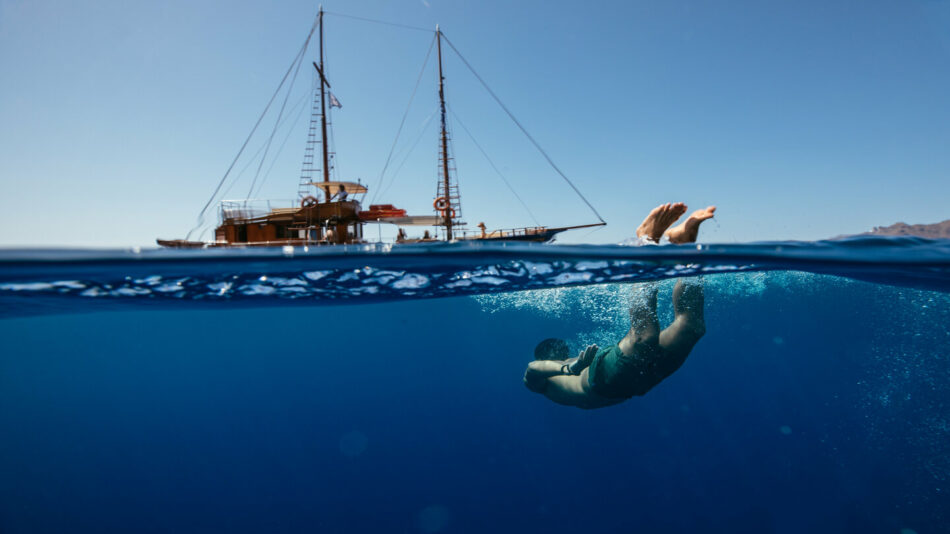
(378, 389)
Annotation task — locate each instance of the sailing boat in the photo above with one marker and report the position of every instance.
(338, 218)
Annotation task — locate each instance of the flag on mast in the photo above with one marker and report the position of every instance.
(334, 103)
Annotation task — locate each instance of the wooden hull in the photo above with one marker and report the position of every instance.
(539, 234)
(539, 237)
(180, 243)
(532, 235)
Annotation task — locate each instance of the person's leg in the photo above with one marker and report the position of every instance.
(688, 326)
(658, 220)
(644, 325)
(688, 323)
(688, 230)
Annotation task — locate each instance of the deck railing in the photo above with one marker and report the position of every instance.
(506, 232)
(250, 209)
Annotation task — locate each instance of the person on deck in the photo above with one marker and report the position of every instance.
(341, 194)
(646, 355)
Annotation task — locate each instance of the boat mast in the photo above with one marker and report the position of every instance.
(323, 115)
(447, 213)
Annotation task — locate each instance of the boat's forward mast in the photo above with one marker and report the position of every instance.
(318, 122)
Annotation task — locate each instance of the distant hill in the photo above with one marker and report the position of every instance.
(940, 230)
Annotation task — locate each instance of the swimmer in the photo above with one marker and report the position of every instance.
(645, 356)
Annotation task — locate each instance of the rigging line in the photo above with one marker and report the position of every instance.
(523, 130)
(490, 162)
(273, 161)
(601, 227)
(405, 114)
(364, 19)
(331, 139)
(331, 146)
(280, 115)
(425, 128)
(450, 133)
(290, 69)
(404, 152)
(259, 150)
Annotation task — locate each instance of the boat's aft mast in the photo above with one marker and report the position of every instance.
(323, 116)
(447, 212)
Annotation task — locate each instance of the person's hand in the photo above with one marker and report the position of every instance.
(584, 357)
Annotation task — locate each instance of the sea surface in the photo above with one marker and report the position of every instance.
(379, 389)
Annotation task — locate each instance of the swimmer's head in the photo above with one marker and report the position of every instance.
(551, 349)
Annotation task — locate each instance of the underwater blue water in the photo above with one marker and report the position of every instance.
(818, 401)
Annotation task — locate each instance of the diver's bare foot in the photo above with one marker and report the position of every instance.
(687, 231)
(661, 218)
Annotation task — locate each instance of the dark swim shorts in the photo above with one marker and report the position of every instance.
(614, 375)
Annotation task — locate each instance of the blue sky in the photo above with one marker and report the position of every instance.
(800, 120)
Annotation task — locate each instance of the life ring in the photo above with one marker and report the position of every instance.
(440, 203)
(308, 201)
(451, 213)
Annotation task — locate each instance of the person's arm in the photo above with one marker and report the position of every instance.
(539, 371)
